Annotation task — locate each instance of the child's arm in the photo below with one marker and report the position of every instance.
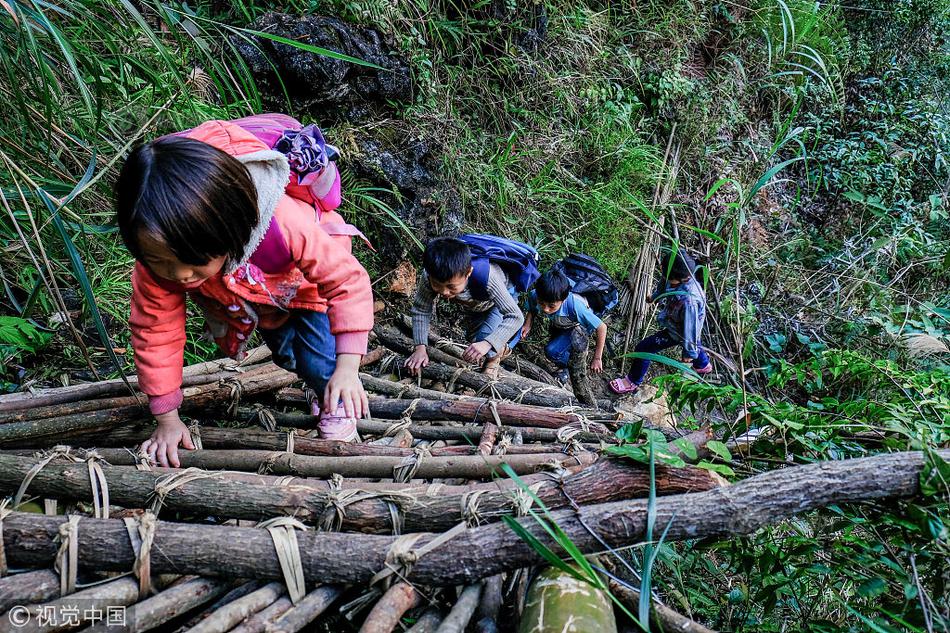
(597, 363)
(157, 322)
(345, 285)
(528, 321)
(511, 317)
(421, 313)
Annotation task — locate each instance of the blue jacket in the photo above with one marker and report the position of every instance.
(682, 313)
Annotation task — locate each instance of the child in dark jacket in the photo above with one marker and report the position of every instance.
(682, 312)
(496, 321)
(570, 318)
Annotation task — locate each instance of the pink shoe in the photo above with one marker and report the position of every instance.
(623, 385)
(704, 370)
(336, 425)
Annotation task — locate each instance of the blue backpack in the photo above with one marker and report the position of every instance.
(519, 261)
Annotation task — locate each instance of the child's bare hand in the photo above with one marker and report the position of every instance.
(525, 330)
(162, 447)
(597, 366)
(418, 360)
(476, 351)
(345, 388)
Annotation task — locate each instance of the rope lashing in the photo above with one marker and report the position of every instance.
(338, 500)
(336, 481)
(450, 387)
(141, 536)
(167, 484)
(237, 391)
(283, 532)
(523, 499)
(57, 451)
(141, 460)
(405, 470)
(290, 442)
(397, 426)
(98, 485)
(67, 557)
(502, 445)
(410, 410)
(268, 462)
(401, 556)
(265, 417)
(286, 480)
(469, 508)
(195, 431)
(4, 513)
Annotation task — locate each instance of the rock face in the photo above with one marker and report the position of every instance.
(317, 83)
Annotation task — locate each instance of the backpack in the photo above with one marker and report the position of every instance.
(518, 260)
(314, 177)
(590, 281)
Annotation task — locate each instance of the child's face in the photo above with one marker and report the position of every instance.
(549, 307)
(676, 282)
(450, 288)
(161, 261)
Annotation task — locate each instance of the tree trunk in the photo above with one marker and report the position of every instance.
(388, 610)
(307, 610)
(30, 587)
(557, 601)
(475, 410)
(665, 620)
(422, 508)
(116, 593)
(258, 622)
(168, 605)
(458, 618)
(476, 553)
(228, 616)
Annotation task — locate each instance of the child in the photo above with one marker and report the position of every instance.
(682, 312)
(571, 321)
(495, 321)
(206, 214)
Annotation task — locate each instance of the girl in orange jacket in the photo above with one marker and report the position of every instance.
(206, 215)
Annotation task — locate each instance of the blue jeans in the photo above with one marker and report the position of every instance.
(304, 345)
(484, 323)
(653, 344)
(564, 344)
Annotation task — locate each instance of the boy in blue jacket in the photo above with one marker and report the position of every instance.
(571, 323)
(682, 313)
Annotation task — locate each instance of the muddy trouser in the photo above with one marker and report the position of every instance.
(653, 344)
(305, 346)
(566, 343)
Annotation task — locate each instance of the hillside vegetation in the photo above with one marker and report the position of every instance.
(800, 148)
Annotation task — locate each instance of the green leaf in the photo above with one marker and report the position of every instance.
(543, 550)
(686, 447)
(663, 360)
(872, 588)
(22, 334)
(629, 432)
(722, 469)
(313, 49)
(719, 449)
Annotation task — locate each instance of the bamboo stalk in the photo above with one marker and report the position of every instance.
(470, 555)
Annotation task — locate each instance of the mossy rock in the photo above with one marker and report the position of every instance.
(557, 602)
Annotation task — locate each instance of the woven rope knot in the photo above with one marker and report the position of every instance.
(141, 536)
(403, 554)
(469, 507)
(167, 484)
(283, 532)
(265, 417)
(237, 391)
(195, 431)
(503, 444)
(67, 557)
(406, 469)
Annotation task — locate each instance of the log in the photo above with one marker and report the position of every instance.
(200, 398)
(515, 388)
(373, 356)
(241, 590)
(225, 618)
(282, 463)
(557, 601)
(477, 553)
(28, 588)
(191, 375)
(662, 617)
(486, 617)
(474, 410)
(168, 605)
(487, 440)
(258, 622)
(116, 593)
(386, 613)
(422, 508)
(398, 390)
(307, 610)
(428, 622)
(458, 618)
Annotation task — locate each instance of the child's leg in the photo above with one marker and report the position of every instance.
(281, 344)
(701, 362)
(559, 347)
(650, 345)
(314, 348)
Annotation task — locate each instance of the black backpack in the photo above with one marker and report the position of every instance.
(591, 281)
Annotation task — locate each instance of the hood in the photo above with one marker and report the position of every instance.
(268, 169)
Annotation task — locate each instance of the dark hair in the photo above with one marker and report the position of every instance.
(681, 267)
(553, 286)
(193, 197)
(446, 258)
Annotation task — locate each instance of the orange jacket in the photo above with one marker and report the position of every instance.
(323, 277)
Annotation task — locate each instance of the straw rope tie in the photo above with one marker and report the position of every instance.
(336, 481)
(67, 557)
(401, 556)
(522, 499)
(502, 445)
(141, 460)
(57, 451)
(283, 532)
(290, 442)
(405, 470)
(141, 536)
(268, 462)
(397, 426)
(469, 507)
(338, 500)
(265, 417)
(4, 513)
(237, 391)
(169, 483)
(455, 376)
(195, 431)
(98, 485)
(284, 481)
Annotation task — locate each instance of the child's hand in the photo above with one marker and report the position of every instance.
(597, 366)
(162, 447)
(476, 351)
(345, 388)
(418, 360)
(525, 330)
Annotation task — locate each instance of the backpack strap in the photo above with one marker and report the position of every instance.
(478, 281)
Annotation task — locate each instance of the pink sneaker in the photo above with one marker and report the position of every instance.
(704, 370)
(336, 425)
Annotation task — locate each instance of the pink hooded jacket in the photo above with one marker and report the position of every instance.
(321, 275)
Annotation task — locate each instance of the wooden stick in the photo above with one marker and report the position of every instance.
(307, 610)
(428, 622)
(488, 438)
(399, 390)
(513, 388)
(225, 618)
(476, 553)
(458, 618)
(386, 613)
(168, 605)
(28, 588)
(191, 375)
(486, 617)
(472, 411)
(662, 617)
(258, 622)
(200, 398)
(422, 508)
(116, 593)
(242, 589)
